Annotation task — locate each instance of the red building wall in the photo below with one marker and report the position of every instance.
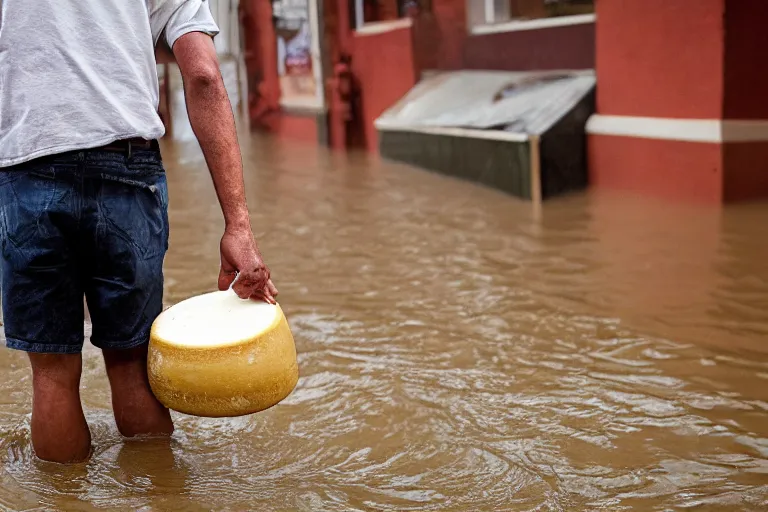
(745, 166)
(671, 169)
(660, 58)
(746, 52)
(301, 127)
(567, 47)
(384, 69)
(746, 97)
(450, 19)
(386, 65)
(701, 62)
(442, 40)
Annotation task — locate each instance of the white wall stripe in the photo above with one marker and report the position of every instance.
(537, 24)
(745, 130)
(715, 131)
(379, 27)
(469, 133)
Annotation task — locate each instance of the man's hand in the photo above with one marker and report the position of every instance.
(210, 115)
(242, 264)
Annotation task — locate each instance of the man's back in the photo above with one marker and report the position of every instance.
(80, 73)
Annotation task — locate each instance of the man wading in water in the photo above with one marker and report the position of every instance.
(83, 197)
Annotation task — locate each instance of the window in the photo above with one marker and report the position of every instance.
(298, 54)
(484, 14)
(378, 11)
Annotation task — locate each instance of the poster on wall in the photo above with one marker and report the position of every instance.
(298, 63)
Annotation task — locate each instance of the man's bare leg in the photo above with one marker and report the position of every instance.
(137, 411)
(59, 431)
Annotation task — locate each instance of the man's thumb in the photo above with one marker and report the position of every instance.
(226, 278)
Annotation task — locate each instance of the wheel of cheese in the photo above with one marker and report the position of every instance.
(217, 355)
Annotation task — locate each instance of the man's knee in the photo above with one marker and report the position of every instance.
(136, 356)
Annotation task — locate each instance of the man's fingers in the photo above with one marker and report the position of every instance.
(264, 297)
(248, 284)
(267, 294)
(242, 288)
(271, 288)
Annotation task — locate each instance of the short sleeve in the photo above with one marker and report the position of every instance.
(174, 18)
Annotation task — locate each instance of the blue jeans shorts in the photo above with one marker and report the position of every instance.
(90, 224)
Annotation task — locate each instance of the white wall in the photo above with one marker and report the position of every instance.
(225, 14)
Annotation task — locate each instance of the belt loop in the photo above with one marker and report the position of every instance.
(129, 149)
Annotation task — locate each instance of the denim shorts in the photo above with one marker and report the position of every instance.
(90, 224)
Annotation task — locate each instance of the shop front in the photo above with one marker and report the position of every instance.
(324, 70)
(286, 92)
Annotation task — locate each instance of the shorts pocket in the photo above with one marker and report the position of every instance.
(25, 197)
(136, 210)
(6, 176)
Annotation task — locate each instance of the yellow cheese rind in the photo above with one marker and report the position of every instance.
(236, 379)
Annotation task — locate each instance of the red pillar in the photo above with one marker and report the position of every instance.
(681, 104)
(746, 98)
(260, 59)
(336, 17)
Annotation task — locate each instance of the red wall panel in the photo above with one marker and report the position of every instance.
(746, 170)
(660, 58)
(296, 126)
(567, 47)
(746, 51)
(383, 65)
(677, 170)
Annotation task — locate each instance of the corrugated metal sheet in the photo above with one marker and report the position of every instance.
(524, 102)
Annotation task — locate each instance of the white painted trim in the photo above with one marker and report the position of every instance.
(715, 131)
(383, 26)
(541, 23)
(454, 132)
(317, 63)
(745, 130)
(693, 130)
(495, 10)
(359, 14)
(489, 11)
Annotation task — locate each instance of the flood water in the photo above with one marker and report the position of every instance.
(459, 350)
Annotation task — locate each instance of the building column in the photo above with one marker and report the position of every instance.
(682, 108)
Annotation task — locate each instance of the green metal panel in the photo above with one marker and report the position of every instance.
(501, 164)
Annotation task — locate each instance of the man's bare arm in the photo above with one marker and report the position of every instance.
(210, 114)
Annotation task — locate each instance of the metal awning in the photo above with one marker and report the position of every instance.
(520, 102)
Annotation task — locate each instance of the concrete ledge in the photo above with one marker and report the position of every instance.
(538, 24)
(382, 125)
(383, 26)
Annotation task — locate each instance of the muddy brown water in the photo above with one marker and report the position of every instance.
(459, 350)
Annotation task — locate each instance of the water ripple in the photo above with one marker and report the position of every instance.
(458, 351)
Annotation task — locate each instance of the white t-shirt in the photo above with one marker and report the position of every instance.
(78, 74)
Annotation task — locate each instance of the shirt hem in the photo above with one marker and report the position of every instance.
(177, 35)
(63, 148)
